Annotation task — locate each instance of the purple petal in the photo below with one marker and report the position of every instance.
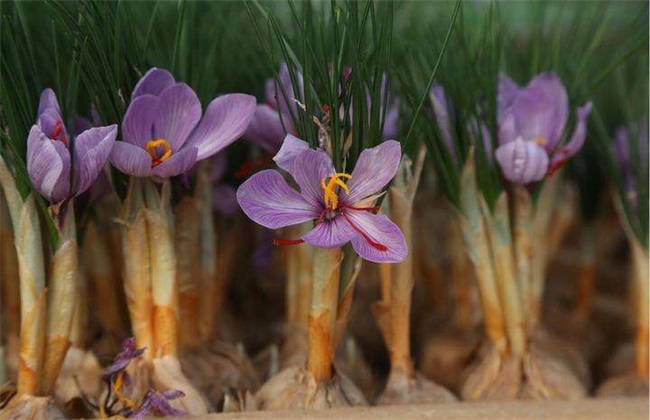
(577, 139)
(507, 131)
(375, 168)
(155, 403)
(92, 149)
(541, 110)
(438, 100)
(179, 111)
(309, 171)
(48, 165)
(330, 234)
(508, 91)
(81, 124)
(224, 121)
(291, 148)
(121, 361)
(137, 126)
(522, 162)
(130, 159)
(378, 239)
(51, 124)
(153, 83)
(287, 104)
(267, 199)
(265, 129)
(224, 199)
(48, 100)
(391, 120)
(178, 163)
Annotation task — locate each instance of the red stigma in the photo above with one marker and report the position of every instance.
(284, 242)
(374, 244)
(326, 108)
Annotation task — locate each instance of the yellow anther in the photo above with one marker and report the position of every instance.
(541, 141)
(117, 388)
(330, 195)
(153, 145)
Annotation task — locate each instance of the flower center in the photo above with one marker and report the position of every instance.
(159, 150)
(58, 133)
(330, 193)
(541, 141)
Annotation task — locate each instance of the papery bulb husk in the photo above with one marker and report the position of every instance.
(351, 363)
(402, 389)
(63, 288)
(491, 376)
(11, 357)
(294, 347)
(625, 386)
(29, 407)
(446, 354)
(554, 369)
(168, 375)
(219, 368)
(80, 373)
(296, 388)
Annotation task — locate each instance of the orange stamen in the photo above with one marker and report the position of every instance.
(153, 145)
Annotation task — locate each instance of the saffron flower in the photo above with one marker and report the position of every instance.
(50, 161)
(333, 200)
(163, 132)
(627, 139)
(129, 352)
(532, 122)
(273, 120)
(157, 403)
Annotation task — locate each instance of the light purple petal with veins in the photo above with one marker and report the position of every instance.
(291, 148)
(438, 100)
(381, 241)
(375, 168)
(522, 162)
(48, 166)
(92, 149)
(508, 91)
(330, 234)
(137, 125)
(179, 111)
(179, 163)
(153, 82)
(131, 160)
(311, 167)
(580, 133)
(268, 200)
(48, 100)
(225, 120)
(541, 110)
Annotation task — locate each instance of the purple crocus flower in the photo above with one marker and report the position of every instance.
(49, 161)
(532, 121)
(122, 360)
(163, 132)
(336, 202)
(623, 155)
(273, 120)
(157, 403)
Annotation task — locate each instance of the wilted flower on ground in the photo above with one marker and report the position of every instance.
(273, 120)
(157, 403)
(49, 161)
(334, 201)
(163, 132)
(122, 360)
(532, 121)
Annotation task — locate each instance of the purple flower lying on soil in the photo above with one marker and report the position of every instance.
(532, 121)
(163, 132)
(122, 360)
(157, 403)
(54, 171)
(334, 201)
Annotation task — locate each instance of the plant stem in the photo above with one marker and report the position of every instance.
(137, 272)
(187, 248)
(642, 292)
(163, 270)
(460, 278)
(587, 273)
(207, 252)
(503, 254)
(324, 302)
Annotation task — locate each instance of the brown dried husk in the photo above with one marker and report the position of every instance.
(29, 407)
(168, 375)
(219, 369)
(80, 373)
(491, 376)
(296, 388)
(402, 389)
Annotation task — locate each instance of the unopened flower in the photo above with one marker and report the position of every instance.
(627, 139)
(54, 171)
(333, 200)
(532, 121)
(273, 120)
(163, 132)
